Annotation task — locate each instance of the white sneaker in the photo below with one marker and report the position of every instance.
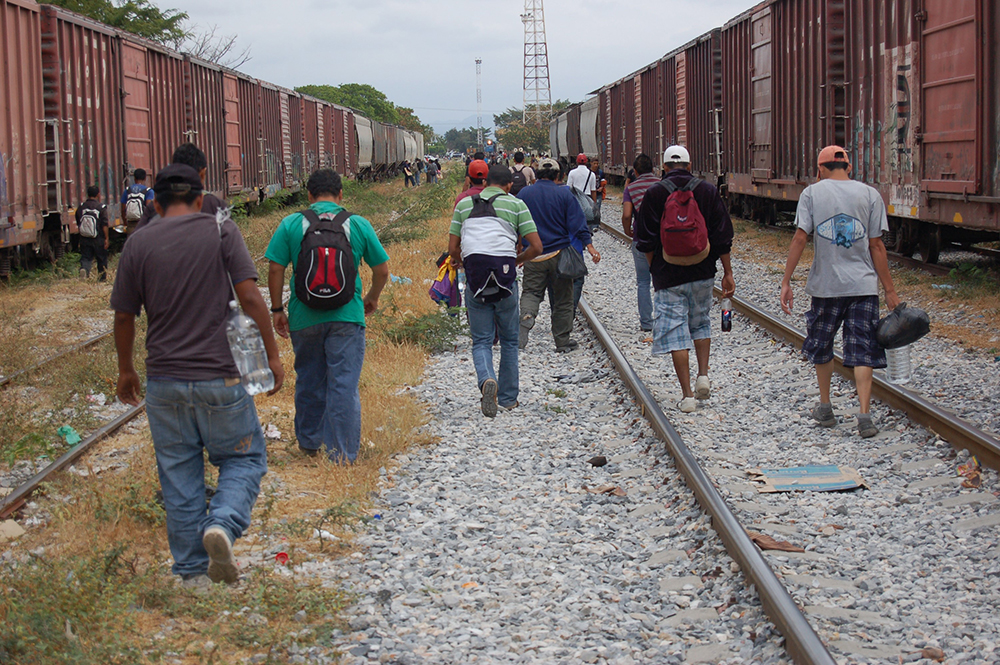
(688, 404)
(221, 562)
(702, 387)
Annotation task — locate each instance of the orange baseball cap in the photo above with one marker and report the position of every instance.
(478, 169)
(833, 153)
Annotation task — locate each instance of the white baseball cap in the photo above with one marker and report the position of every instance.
(676, 153)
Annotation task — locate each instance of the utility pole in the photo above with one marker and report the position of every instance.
(537, 91)
(479, 103)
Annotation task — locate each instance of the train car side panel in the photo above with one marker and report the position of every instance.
(231, 113)
(590, 142)
(22, 169)
(206, 120)
(83, 122)
(364, 142)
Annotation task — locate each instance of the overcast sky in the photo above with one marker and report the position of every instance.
(422, 54)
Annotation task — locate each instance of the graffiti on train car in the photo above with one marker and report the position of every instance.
(902, 110)
(4, 203)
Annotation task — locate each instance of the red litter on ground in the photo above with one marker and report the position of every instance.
(281, 557)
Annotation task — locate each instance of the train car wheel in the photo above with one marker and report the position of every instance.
(929, 244)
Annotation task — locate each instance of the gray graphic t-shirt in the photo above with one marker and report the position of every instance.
(841, 215)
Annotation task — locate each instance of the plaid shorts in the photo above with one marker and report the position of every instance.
(681, 315)
(859, 314)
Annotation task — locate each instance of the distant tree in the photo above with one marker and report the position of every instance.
(409, 119)
(362, 97)
(514, 133)
(213, 46)
(140, 17)
(464, 139)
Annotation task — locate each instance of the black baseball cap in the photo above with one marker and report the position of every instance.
(177, 179)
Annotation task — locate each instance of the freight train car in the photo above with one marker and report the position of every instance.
(911, 89)
(86, 104)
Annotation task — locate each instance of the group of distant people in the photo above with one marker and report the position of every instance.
(412, 171)
(185, 265)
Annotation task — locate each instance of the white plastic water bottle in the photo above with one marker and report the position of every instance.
(461, 284)
(247, 347)
(899, 370)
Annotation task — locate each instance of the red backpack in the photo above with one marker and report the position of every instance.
(683, 232)
(325, 273)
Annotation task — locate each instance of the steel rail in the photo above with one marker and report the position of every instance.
(79, 347)
(17, 498)
(959, 433)
(801, 641)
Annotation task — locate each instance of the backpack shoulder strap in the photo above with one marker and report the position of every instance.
(476, 198)
(494, 198)
(691, 184)
(669, 185)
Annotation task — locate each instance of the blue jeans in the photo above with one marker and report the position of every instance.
(328, 359)
(644, 283)
(416, 177)
(186, 417)
(486, 320)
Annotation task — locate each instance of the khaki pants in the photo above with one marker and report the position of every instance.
(537, 278)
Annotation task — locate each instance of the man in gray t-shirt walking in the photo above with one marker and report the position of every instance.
(846, 219)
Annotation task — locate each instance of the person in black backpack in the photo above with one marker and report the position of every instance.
(92, 223)
(683, 269)
(483, 237)
(326, 313)
(522, 175)
(190, 155)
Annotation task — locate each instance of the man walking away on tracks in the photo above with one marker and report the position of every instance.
(631, 201)
(329, 344)
(183, 270)
(523, 175)
(483, 237)
(559, 219)
(683, 283)
(92, 223)
(846, 219)
(191, 155)
(134, 200)
(476, 177)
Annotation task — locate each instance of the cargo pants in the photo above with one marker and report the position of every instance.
(537, 277)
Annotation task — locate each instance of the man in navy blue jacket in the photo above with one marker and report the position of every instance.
(559, 220)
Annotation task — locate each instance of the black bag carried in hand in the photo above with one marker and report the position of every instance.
(903, 325)
(570, 264)
(325, 274)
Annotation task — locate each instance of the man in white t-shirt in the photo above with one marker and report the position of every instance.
(846, 219)
(582, 178)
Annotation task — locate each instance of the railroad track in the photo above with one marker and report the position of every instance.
(959, 433)
(62, 354)
(801, 641)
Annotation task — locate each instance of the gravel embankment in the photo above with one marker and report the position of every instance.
(889, 570)
(490, 548)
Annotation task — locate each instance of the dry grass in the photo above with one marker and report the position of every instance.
(117, 518)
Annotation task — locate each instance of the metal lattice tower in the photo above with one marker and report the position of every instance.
(479, 103)
(537, 91)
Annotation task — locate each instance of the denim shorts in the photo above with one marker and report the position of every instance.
(681, 314)
(859, 316)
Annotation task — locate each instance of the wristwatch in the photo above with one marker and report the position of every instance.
(278, 309)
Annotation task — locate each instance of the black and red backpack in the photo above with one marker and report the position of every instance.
(325, 274)
(683, 232)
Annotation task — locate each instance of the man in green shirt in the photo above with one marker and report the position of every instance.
(484, 237)
(329, 344)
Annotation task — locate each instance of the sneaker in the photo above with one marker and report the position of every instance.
(222, 565)
(197, 583)
(509, 407)
(866, 428)
(823, 414)
(702, 387)
(83, 274)
(688, 404)
(572, 346)
(527, 323)
(489, 401)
